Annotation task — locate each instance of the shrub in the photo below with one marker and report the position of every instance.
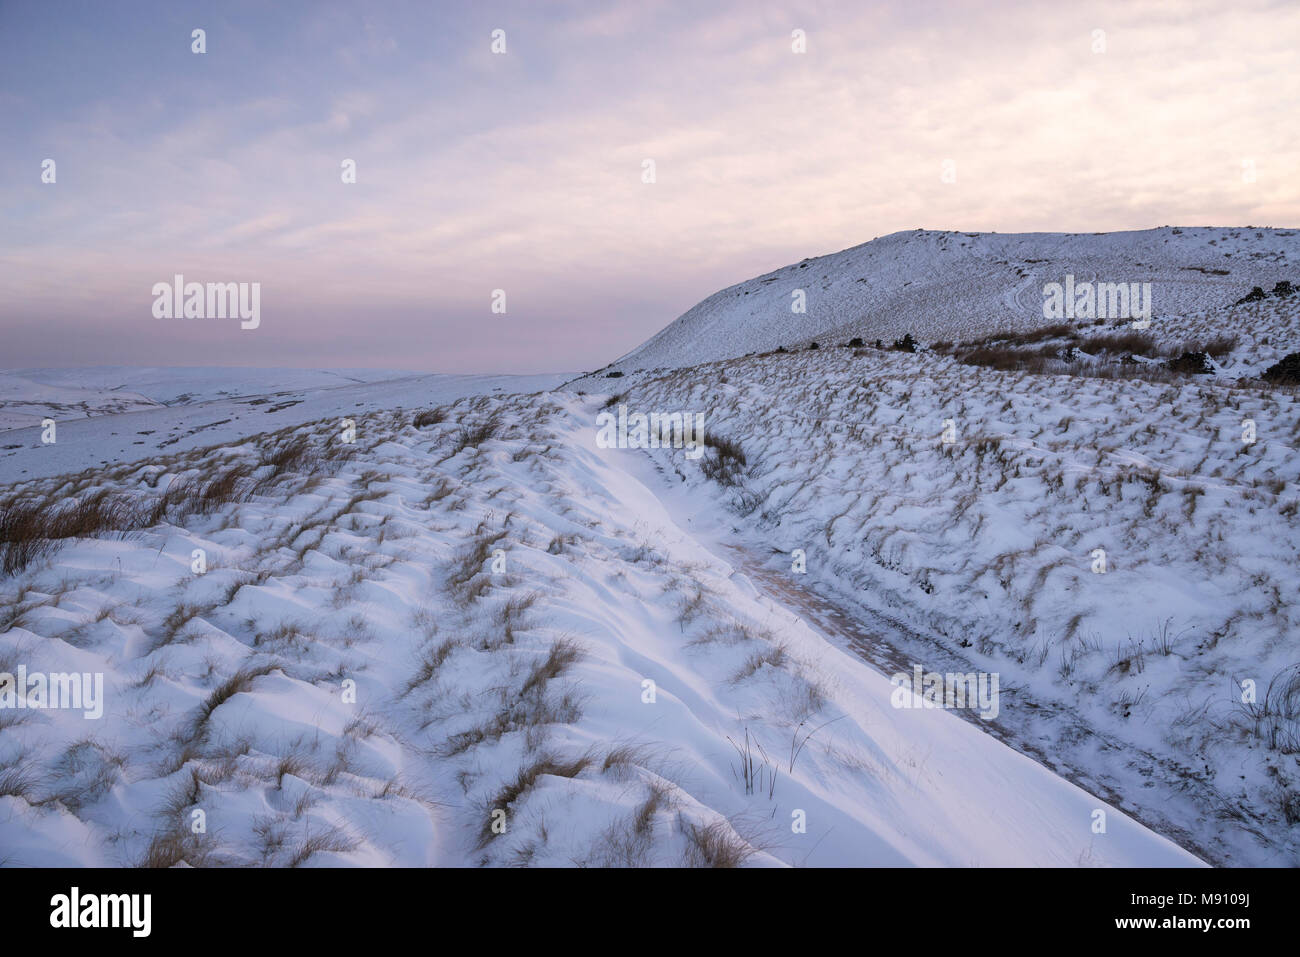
(1220, 346)
(995, 357)
(1191, 363)
(1137, 343)
(1285, 372)
(723, 459)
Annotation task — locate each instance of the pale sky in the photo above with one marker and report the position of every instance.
(523, 171)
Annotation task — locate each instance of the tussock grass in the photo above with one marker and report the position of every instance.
(84, 773)
(628, 841)
(474, 436)
(724, 460)
(241, 681)
(468, 578)
(430, 662)
(526, 708)
(295, 455)
(20, 779)
(510, 617)
(622, 757)
(178, 846)
(532, 716)
(172, 629)
(328, 839)
(524, 782)
(714, 845)
(774, 656)
(30, 530)
(1276, 718)
(429, 417)
(560, 542)
(562, 654)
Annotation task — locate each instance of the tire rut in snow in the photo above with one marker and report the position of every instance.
(1031, 723)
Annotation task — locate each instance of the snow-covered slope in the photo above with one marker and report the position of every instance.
(25, 401)
(955, 285)
(151, 430)
(1125, 553)
(477, 637)
(474, 638)
(179, 385)
(28, 396)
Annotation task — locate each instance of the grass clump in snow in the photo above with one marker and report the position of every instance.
(724, 459)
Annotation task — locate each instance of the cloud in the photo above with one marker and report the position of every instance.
(523, 171)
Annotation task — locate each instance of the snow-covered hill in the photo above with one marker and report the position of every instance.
(112, 435)
(1125, 553)
(476, 635)
(25, 401)
(955, 285)
(28, 396)
(185, 385)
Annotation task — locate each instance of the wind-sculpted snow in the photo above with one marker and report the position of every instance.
(1125, 553)
(470, 636)
(954, 285)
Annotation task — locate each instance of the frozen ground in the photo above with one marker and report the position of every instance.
(24, 401)
(518, 686)
(107, 438)
(638, 656)
(979, 554)
(29, 395)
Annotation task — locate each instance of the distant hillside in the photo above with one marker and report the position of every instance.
(955, 285)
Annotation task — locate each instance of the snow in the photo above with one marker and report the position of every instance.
(956, 285)
(178, 385)
(979, 555)
(24, 401)
(125, 433)
(483, 617)
(358, 572)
